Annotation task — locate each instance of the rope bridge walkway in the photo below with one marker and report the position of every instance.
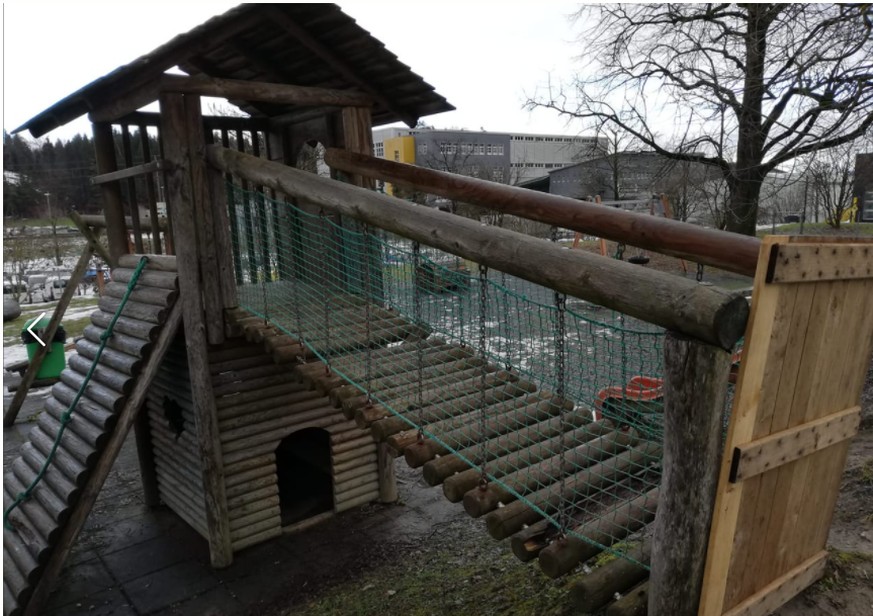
(539, 412)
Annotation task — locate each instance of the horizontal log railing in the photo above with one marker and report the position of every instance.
(705, 313)
(729, 251)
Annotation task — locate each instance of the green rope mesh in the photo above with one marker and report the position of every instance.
(67, 415)
(404, 326)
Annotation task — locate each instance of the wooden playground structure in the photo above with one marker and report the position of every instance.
(225, 385)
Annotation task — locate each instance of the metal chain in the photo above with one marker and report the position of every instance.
(368, 316)
(324, 284)
(619, 252)
(483, 307)
(264, 266)
(700, 272)
(416, 317)
(560, 377)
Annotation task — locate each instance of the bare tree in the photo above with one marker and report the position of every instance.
(20, 252)
(831, 184)
(746, 87)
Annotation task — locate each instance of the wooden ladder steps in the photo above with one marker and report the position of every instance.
(39, 522)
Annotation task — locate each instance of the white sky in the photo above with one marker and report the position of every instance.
(485, 58)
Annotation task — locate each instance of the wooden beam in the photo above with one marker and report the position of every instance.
(148, 118)
(128, 102)
(809, 262)
(730, 251)
(49, 333)
(113, 209)
(705, 313)
(181, 195)
(135, 171)
(95, 221)
(90, 235)
(126, 418)
(303, 36)
(276, 93)
(204, 216)
(695, 387)
(792, 444)
(781, 590)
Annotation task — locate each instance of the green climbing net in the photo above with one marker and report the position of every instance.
(553, 402)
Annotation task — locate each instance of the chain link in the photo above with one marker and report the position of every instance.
(324, 293)
(416, 317)
(483, 339)
(700, 272)
(365, 234)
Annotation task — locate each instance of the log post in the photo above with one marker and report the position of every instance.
(387, 479)
(695, 385)
(175, 113)
(104, 149)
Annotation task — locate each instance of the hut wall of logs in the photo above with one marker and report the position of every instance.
(260, 405)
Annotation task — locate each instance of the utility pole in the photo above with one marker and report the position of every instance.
(805, 194)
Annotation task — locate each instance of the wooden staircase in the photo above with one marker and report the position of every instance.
(45, 526)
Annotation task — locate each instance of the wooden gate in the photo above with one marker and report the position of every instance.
(808, 345)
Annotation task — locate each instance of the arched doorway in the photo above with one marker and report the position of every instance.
(303, 473)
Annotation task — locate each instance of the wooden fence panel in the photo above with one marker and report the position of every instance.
(807, 350)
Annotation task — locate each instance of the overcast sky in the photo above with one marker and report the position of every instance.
(485, 58)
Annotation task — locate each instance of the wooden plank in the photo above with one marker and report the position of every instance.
(779, 591)
(810, 262)
(33, 368)
(127, 417)
(788, 445)
(180, 194)
(672, 302)
(130, 172)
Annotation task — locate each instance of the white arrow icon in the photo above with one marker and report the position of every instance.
(31, 326)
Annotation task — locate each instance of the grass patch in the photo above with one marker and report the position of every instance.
(821, 228)
(842, 571)
(42, 222)
(479, 579)
(74, 326)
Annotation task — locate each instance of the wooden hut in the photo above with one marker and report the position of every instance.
(232, 440)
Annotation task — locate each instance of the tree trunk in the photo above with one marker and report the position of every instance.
(742, 207)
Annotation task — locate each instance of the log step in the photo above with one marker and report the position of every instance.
(39, 521)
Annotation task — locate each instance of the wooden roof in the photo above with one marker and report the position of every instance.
(298, 44)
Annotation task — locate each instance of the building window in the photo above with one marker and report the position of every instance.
(422, 148)
(380, 149)
(397, 155)
(498, 174)
(499, 150)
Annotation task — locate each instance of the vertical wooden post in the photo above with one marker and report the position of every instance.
(131, 190)
(695, 385)
(113, 209)
(150, 189)
(387, 478)
(176, 112)
(223, 243)
(233, 219)
(204, 217)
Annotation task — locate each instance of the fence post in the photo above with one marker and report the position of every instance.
(695, 386)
